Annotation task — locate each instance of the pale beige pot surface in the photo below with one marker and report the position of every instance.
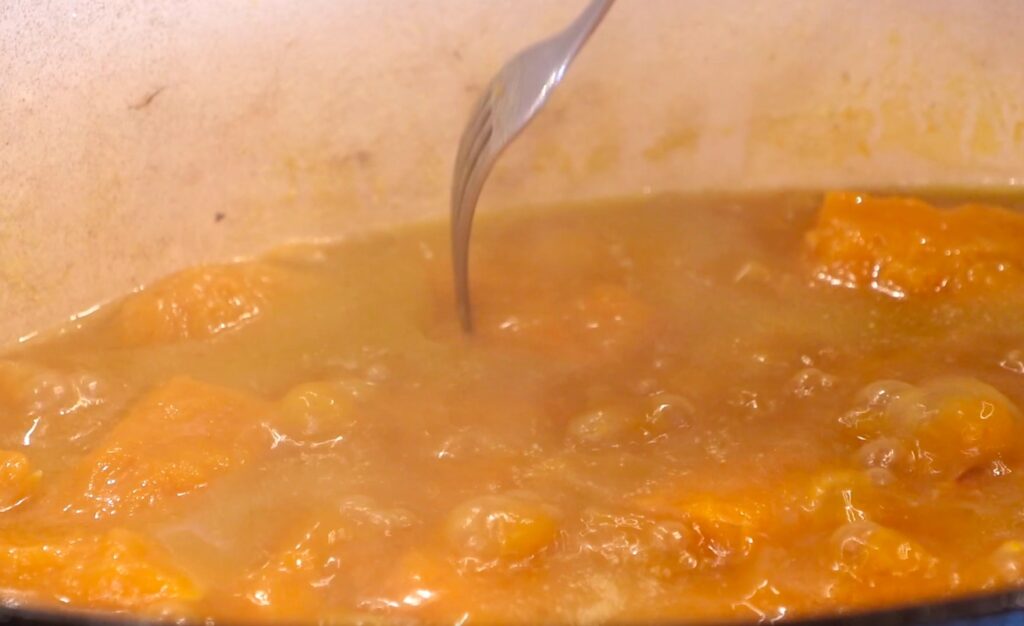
(139, 137)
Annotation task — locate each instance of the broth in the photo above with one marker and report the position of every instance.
(672, 408)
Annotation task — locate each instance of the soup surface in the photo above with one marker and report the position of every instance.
(684, 408)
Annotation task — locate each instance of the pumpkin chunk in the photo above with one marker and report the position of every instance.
(905, 247)
(197, 303)
(114, 570)
(170, 444)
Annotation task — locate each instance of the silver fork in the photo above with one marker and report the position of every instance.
(508, 104)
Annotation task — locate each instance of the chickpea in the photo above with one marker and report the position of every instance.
(839, 496)
(881, 392)
(726, 525)
(318, 411)
(662, 547)
(1006, 563)
(885, 453)
(36, 390)
(873, 554)
(956, 424)
(603, 426)
(867, 419)
(17, 479)
(501, 529)
(945, 427)
(811, 381)
(621, 425)
(669, 412)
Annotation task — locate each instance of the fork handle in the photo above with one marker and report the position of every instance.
(587, 21)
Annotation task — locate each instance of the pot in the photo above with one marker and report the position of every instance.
(139, 137)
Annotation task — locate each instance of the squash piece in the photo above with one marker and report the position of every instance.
(198, 303)
(113, 570)
(314, 558)
(283, 586)
(171, 443)
(904, 247)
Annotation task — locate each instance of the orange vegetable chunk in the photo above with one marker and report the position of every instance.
(314, 557)
(171, 443)
(905, 247)
(284, 585)
(116, 569)
(197, 303)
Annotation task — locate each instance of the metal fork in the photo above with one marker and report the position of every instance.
(510, 101)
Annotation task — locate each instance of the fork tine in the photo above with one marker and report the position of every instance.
(471, 143)
(469, 148)
(465, 193)
(471, 170)
(481, 115)
(477, 145)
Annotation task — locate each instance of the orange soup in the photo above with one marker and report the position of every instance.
(676, 408)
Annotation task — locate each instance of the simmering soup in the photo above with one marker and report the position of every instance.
(674, 408)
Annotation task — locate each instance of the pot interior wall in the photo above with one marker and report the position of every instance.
(137, 137)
